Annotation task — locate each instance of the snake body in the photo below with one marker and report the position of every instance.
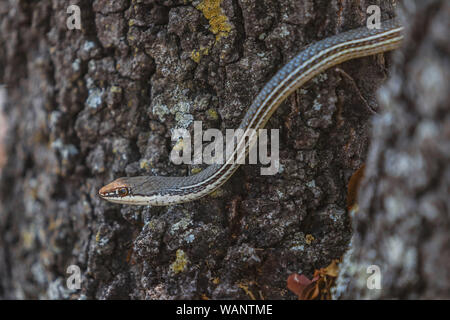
(314, 59)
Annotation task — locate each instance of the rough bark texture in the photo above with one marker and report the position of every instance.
(403, 223)
(87, 106)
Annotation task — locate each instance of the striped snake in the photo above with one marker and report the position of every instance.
(314, 59)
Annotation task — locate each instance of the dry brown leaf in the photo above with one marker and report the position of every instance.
(353, 186)
(317, 288)
(304, 288)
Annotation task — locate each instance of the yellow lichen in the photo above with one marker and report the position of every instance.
(116, 89)
(180, 263)
(196, 170)
(309, 238)
(196, 55)
(145, 164)
(212, 114)
(218, 21)
(179, 146)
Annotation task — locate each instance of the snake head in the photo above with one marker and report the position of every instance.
(145, 190)
(117, 189)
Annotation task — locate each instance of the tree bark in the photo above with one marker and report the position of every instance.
(87, 106)
(403, 222)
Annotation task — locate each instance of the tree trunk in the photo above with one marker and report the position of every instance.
(84, 107)
(402, 226)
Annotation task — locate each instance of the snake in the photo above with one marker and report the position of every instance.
(310, 62)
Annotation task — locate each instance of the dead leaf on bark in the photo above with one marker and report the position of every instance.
(317, 288)
(353, 186)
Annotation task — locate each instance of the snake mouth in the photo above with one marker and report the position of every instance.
(102, 193)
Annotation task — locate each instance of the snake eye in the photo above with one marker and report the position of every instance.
(122, 192)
